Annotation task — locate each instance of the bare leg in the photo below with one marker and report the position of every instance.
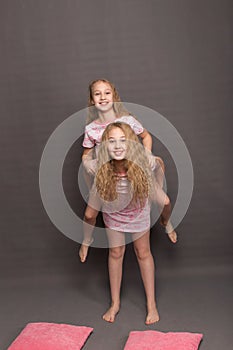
(164, 220)
(146, 264)
(115, 263)
(159, 171)
(88, 227)
(171, 232)
(89, 221)
(164, 206)
(163, 201)
(83, 251)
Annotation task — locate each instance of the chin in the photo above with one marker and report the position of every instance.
(119, 158)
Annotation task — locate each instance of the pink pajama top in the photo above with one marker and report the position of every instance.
(121, 215)
(94, 130)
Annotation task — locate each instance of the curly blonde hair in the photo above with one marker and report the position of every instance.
(118, 106)
(136, 164)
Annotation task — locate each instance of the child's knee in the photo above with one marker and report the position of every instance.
(167, 200)
(117, 252)
(142, 253)
(90, 216)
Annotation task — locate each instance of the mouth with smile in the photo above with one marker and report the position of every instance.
(118, 153)
(103, 103)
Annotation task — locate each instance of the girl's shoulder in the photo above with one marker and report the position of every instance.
(95, 124)
(133, 123)
(129, 119)
(125, 117)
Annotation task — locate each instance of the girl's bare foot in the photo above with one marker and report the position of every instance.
(171, 232)
(172, 236)
(110, 315)
(152, 315)
(83, 251)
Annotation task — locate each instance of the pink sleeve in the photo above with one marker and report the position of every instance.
(135, 125)
(88, 142)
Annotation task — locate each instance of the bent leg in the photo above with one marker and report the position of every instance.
(163, 201)
(160, 196)
(159, 171)
(164, 220)
(89, 221)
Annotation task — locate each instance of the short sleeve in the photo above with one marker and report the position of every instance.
(88, 141)
(135, 125)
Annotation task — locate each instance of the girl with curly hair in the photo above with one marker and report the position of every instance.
(123, 189)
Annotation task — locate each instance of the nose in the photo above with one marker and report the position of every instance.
(102, 96)
(118, 144)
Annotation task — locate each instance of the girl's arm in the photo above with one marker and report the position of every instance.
(88, 162)
(147, 143)
(146, 139)
(87, 153)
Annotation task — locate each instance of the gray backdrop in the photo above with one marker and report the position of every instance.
(172, 56)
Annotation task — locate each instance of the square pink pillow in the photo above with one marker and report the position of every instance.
(154, 340)
(51, 336)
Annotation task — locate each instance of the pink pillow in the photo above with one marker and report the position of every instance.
(153, 340)
(51, 336)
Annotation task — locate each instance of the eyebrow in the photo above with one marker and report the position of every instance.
(121, 137)
(108, 89)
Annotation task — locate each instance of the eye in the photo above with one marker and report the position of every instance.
(108, 92)
(111, 141)
(96, 94)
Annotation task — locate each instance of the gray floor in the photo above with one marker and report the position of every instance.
(191, 297)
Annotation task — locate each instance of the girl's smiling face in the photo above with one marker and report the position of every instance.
(102, 96)
(116, 144)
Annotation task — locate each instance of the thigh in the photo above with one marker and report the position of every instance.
(141, 241)
(161, 164)
(115, 238)
(94, 202)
